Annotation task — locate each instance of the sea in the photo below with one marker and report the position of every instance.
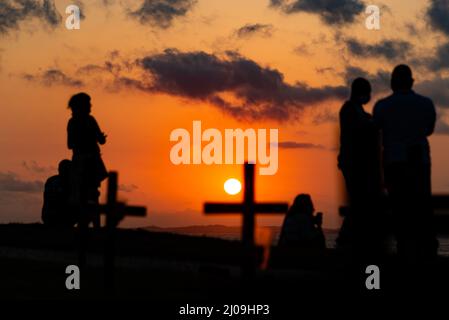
(266, 236)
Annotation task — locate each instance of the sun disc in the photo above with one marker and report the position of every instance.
(232, 186)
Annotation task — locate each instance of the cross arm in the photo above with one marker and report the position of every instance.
(271, 207)
(133, 211)
(216, 207)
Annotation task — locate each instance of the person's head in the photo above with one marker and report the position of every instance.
(401, 78)
(64, 167)
(80, 104)
(361, 91)
(303, 204)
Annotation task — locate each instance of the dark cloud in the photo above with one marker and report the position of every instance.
(299, 145)
(388, 49)
(161, 13)
(259, 92)
(437, 15)
(438, 61)
(54, 77)
(10, 182)
(12, 12)
(332, 12)
(436, 89)
(248, 30)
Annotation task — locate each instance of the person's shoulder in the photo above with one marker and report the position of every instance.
(423, 99)
(346, 107)
(91, 119)
(382, 104)
(52, 180)
(384, 101)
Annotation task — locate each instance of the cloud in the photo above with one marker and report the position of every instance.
(388, 49)
(380, 80)
(10, 182)
(331, 12)
(161, 13)
(127, 187)
(299, 145)
(257, 92)
(248, 30)
(301, 50)
(12, 12)
(437, 15)
(441, 127)
(54, 77)
(34, 167)
(438, 60)
(324, 116)
(436, 89)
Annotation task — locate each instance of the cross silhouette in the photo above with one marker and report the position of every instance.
(115, 211)
(248, 208)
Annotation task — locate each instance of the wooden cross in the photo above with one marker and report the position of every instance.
(248, 208)
(115, 211)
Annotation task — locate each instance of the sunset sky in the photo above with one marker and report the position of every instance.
(152, 66)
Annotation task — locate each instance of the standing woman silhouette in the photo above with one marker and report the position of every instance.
(83, 138)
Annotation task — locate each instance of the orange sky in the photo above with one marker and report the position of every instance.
(138, 124)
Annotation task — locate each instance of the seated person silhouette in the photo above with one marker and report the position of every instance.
(301, 228)
(56, 210)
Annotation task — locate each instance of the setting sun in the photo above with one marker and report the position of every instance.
(232, 186)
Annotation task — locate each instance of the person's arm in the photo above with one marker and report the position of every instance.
(100, 136)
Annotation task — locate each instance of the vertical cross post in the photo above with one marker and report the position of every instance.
(115, 211)
(248, 214)
(111, 216)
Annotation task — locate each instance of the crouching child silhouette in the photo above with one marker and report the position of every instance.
(56, 211)
(88, 170)
(301, 228)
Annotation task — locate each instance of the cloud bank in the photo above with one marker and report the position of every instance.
(331, 12)
(13, 12)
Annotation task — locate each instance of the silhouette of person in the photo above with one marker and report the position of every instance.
(56, 210)
(406, 119)
(301, 228)
(359, 161)
(83, 138)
